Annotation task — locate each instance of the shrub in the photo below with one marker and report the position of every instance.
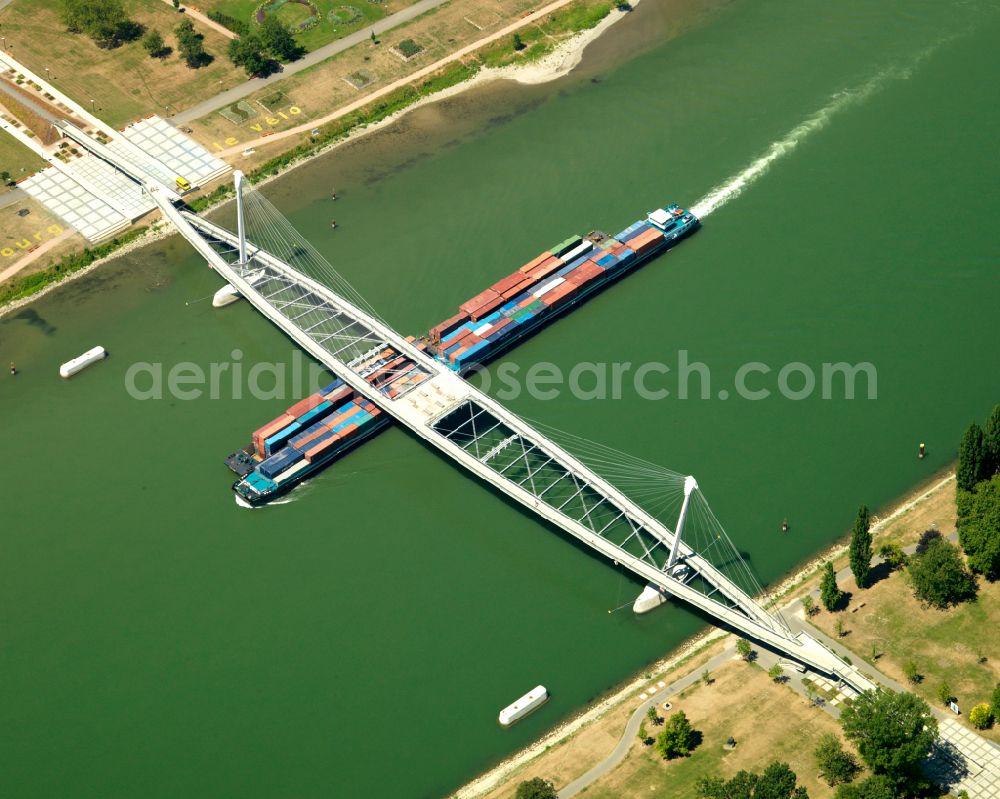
(408, 48)
(944, 693)
(743, 648)
(236, 26)
(893, 555)
(981, 716)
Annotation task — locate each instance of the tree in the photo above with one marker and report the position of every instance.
(278, 40)
(775, 672)
(536, 788)
(970, 469)
(517, 42)
(995, 699)
(939, 576)
(981, 716)
(190, 46)
(893, 733)
(248, 52)
(912, 671)
(877, 786)
(892, 553)
(177, 4)
(706, 677)
(776, 782)
(153, 44)
(808, 604)
(677, 738)
(5, 178)
(926, 537)
(991, 443)
(829, 592)
(979, 527)
(643, 734)
(834, 764)
(944, 693)
(861, 547)
(743, 649)
(104, 21)
(839, 627)
(652, 715)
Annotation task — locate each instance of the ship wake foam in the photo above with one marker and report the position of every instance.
(840, 101)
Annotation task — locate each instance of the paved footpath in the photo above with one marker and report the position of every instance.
(237, 93)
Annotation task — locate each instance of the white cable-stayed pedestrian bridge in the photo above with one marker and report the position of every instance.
(577, 485)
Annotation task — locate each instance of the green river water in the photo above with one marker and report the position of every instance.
(159, 641)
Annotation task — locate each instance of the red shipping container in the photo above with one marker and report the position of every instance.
(477, 302)
(546, 268)
(314, 452)
(487, 309)
(535, 262)
(515, 279)
(445, 327)
(269, 430)
(511, 293)
(561, 295)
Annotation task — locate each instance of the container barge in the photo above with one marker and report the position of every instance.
(324, 426)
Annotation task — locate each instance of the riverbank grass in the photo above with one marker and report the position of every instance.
(23, 286)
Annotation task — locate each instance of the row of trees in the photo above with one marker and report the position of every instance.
(259, 51)
(979, 453)
(106, 22)
(978, 497)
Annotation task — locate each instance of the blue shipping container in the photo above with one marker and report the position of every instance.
(280, 438)
(276, 464)
(318, 412)
(469, 354)
(332, 387)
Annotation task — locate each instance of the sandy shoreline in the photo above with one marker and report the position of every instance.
(561, 61)
(510, 766)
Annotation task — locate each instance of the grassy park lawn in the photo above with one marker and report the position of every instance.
(957, 645)
(335, 18)
(124, 83)
(945, 645)
(17, 159)
(768, 721)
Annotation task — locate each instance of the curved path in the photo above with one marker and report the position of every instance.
(632, 727)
